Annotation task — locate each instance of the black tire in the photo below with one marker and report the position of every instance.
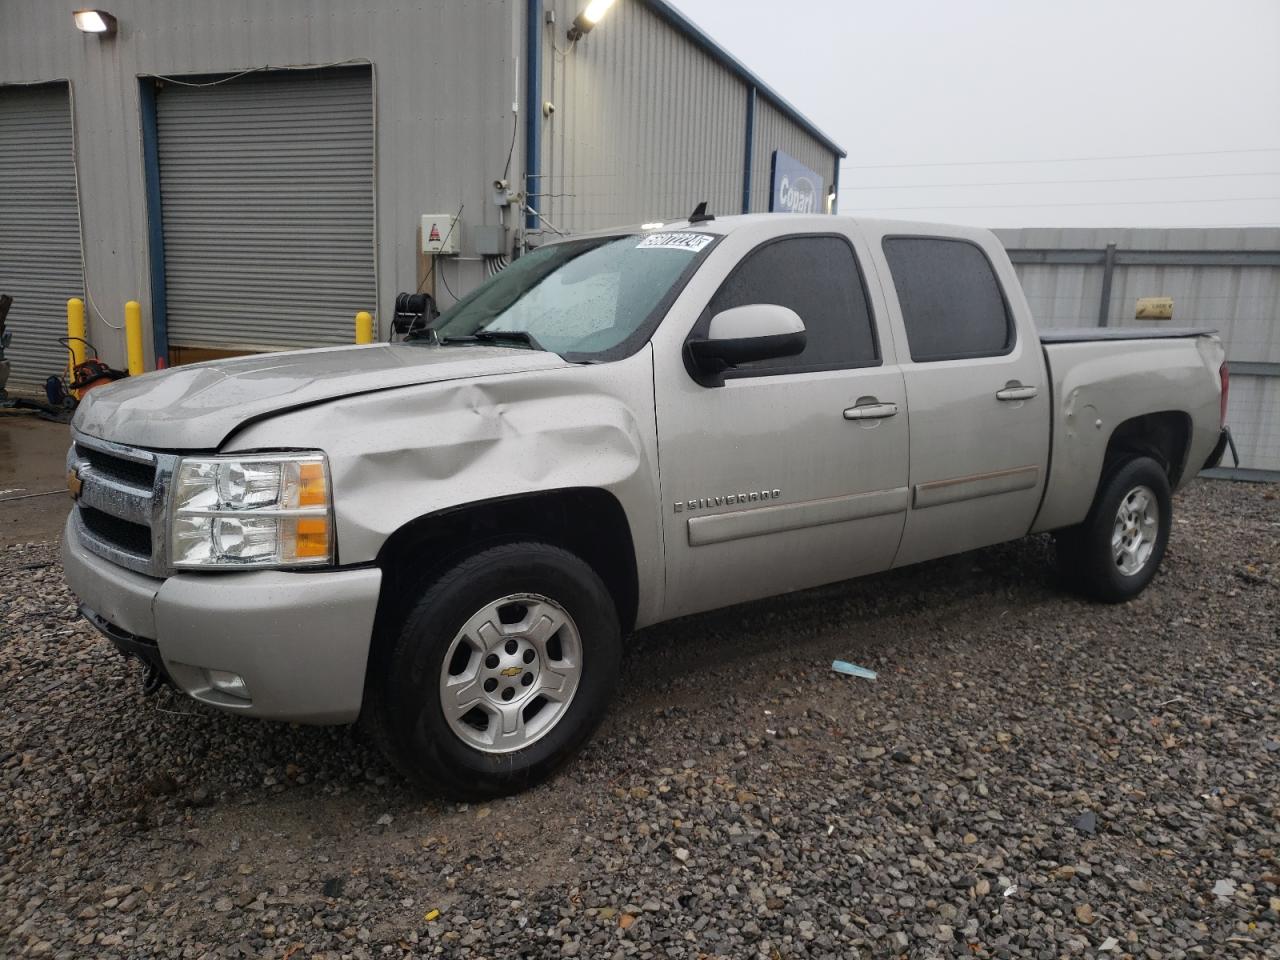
(407, 717)
(1085, 555)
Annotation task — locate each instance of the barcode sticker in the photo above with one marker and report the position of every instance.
(693, 242)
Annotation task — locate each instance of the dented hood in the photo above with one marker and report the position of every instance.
(199, 406)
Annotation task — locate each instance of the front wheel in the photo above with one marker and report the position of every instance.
(502, 669)
(1116, 552)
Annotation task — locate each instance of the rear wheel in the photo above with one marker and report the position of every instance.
(1116, 552)
(502, 669)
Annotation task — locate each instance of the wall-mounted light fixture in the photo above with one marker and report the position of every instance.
(831, 199)
(95, 21)
(588, 18)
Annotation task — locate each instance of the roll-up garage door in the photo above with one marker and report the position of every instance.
(40, 264)
(266, 191)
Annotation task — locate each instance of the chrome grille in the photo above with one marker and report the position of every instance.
(120, 513)
(114, 467)
(124, 534)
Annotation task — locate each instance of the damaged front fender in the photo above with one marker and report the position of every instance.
(399, 455)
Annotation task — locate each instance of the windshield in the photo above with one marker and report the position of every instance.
(586, 299)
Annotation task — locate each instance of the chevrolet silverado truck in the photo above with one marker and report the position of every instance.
(450, 536)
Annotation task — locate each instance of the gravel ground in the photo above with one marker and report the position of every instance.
(1030, 776)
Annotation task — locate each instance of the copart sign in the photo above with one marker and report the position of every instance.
(796, 188)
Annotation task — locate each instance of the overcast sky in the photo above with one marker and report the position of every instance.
(978, 110)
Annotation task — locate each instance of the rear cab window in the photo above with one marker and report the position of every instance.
(953, 306)
(818, 277)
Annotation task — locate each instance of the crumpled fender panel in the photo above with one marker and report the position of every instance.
(398, 455)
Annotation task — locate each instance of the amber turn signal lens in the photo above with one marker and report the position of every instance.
(312, 489)
(312, 538)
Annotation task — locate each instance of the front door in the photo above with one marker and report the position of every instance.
(794, 472)
(978, 396)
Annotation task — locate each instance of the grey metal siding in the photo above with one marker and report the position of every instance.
(775, 131)
(444, 76)
(39, 227)
(266, 188)
(652, 118)
(1241, 301)
(646, 124)
(1253, 413)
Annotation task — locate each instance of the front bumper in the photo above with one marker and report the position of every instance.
(299, 640)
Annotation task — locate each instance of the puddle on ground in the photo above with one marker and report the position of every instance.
(33, 458)
(33, 453)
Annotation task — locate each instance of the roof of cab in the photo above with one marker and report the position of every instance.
(800, 222)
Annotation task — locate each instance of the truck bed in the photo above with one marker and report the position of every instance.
(1089, 334)
(1104, 377)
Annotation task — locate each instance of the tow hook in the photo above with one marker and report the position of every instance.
(152, 681)
(132, 647)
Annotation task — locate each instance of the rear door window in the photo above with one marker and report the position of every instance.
(817, 277)
(952, 304)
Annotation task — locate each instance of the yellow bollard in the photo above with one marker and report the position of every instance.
(364, 327)
(133, 338)
(76, 333)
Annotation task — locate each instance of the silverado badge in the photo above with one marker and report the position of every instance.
(74, 484)
(727, 499)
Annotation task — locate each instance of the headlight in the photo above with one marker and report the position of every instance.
(272, 510)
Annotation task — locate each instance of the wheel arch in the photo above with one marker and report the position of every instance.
(587, 521)
(1165, 436)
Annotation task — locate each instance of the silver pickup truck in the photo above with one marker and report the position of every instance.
(451, 536)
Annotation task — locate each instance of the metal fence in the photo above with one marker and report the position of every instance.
(1227, 279)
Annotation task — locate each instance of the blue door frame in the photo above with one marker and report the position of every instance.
(155, 221)
(532, 112)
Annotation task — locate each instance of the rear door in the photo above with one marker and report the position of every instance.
(793, 473)
(975, 388)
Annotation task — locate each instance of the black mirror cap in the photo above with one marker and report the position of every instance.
(711, 358)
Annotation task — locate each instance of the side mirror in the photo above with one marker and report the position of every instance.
(758, 331)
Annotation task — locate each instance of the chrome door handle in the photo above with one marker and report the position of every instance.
(1016, 391)
(871, 411)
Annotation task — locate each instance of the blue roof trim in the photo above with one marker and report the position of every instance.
(695, 33)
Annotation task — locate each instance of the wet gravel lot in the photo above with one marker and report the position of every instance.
(1030, 776)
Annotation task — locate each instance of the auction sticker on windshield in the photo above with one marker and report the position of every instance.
(693, 242)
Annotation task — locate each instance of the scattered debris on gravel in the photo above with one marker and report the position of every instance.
(1029, 775)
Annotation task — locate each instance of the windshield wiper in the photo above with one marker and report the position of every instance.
(497, 336)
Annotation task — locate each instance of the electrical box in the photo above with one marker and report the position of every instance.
(489, 239)
(441, 234)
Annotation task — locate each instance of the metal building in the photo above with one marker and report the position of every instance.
(1227, 279)
(254, 174)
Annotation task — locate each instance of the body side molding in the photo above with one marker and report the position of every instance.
(938, 492)
(741, 524)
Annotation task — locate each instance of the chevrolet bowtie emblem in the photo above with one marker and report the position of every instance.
(74, 484)
(510, 671)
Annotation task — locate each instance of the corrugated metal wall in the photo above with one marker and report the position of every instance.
(39, 230)
(646, 124)
(1241, 301)
(648, 120)
(775, 132)
(445, 76)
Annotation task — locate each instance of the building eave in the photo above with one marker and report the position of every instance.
(700, 37)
